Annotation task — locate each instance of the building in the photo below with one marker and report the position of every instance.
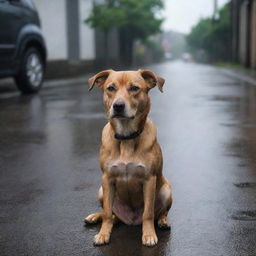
(70, 41)
(73, 47)
(244, 32)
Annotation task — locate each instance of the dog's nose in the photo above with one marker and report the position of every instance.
(119, 106)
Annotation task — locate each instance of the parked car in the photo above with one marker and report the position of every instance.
(22, 46)
(186, 57)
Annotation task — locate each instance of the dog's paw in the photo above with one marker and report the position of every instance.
(101, 239)
(164, 224)
(149, 239)
(93, 218)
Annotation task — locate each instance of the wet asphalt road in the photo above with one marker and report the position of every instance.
(49, 174)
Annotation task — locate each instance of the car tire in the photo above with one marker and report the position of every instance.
(31, 72)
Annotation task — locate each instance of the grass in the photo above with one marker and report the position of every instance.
(231, 65)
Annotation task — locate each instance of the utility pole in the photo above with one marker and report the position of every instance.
(215, 10)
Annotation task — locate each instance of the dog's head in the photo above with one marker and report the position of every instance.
(125, 93)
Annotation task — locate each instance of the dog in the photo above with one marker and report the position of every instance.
(133, 188)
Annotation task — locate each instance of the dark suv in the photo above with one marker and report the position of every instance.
(22, 46)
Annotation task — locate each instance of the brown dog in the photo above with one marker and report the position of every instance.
(133, 188)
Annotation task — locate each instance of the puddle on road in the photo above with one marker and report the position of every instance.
(225, 98)
(24, 137)
(244, 215)
(241, 124)
(245, 185)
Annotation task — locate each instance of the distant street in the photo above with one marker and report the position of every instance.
(49, 173)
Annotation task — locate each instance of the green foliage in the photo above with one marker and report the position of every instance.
(156, 49)
(137, 17)
(214, 37)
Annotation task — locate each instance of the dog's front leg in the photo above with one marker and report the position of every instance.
(103, 236)
(149, 237)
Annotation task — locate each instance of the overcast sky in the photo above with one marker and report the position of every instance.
(181, 15)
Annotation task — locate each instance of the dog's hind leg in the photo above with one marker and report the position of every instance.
(164, 199)
(163, 222)
(95, 218)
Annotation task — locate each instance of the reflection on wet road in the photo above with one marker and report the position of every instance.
(49, 173)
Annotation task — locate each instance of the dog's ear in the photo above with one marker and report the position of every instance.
(99, 79)
(152, 79)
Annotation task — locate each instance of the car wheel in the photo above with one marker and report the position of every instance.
(31, 72)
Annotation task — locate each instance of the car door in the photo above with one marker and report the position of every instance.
(11, 21)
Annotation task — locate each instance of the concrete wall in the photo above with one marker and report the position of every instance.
(63, 41)
(87, 38)
(112, 47)
(235, 29)
(53, 21)
(73, 32)
(253, 34)
(243, 33)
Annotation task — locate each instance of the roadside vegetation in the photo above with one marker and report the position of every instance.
(133, 20)
(210, 38)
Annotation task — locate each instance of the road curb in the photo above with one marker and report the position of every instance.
(66, 81)
(51, 83)
(239, 75)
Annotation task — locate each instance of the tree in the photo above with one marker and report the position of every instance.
(213, 36)
(134, 19)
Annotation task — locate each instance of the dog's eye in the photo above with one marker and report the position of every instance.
(111, 88)
(134, 88)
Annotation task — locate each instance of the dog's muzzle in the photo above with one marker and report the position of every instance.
(119, 109)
